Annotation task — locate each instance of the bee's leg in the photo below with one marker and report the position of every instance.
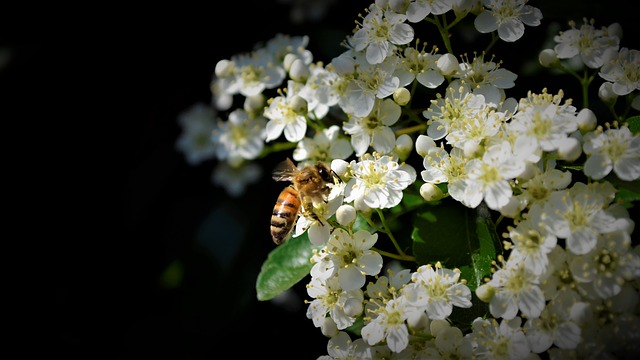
(309, 213)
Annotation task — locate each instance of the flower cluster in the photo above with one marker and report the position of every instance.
(408, 132)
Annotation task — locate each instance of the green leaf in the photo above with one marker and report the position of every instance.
(285, 266)
(634, 124)
(457, 237)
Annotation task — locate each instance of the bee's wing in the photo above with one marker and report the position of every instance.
(284, 171)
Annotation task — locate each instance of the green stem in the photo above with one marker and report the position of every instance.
(494, 40)
(388, 232)
(394, 256)
(276, 147)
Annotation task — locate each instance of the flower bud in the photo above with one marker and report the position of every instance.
(606, 94)
(635, 103)
(485, 292)
(328, 327)
(346, 215)
(353, 307)
(254, 103)
(548, 58)
(288, 61)
(437, 326)
(224, 68)
(586, 120)
(447, 64)
(299, 105)
(404, 145)
(399, 6)
(299, 71)
(423, 144)
(470, 149)
(430, 192)
(340, 167)
(615, 29)
(419, 322)
(401, 96)
(569, 149)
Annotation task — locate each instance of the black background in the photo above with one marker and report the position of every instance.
(99, 94)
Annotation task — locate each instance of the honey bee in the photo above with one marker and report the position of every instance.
(308, 185)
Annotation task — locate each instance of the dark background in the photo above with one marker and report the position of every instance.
(147, 257)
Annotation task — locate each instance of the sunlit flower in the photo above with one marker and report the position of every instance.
(374, 129)
(330, 298)
(379, 182)
(437, 291)
(389, 325)
(543, 123)
(239, 138)
(287, 113)
(488, 178)
(486, 78)
(508, 17)
(420, 66)
(364, 82)
(381, 30)
(325, 146)
(350, 257)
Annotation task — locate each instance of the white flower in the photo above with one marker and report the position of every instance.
(436, 291)
(419, 9)
(379, 182)
(389, 325)
(381, 30)
(559, 323)
(499, 342)
(488, 178)
(587, 43)
(364, 82)
(537, 188)
(457, 104)
(318, 229)
(234, 179)
(325, 146)
(578, 215)
(450, 342)
(508, 17)
(542, 123)
(197, 123)
(330, 298)
(421, 66)
(374, 129)
(612, 149)
(515, 289)
(340, 346)
(623, 71)
(608, 265)
(350, 258)
(485, 78)
(532, 242)
(287, 113)
(239, 138)
(254, 72)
